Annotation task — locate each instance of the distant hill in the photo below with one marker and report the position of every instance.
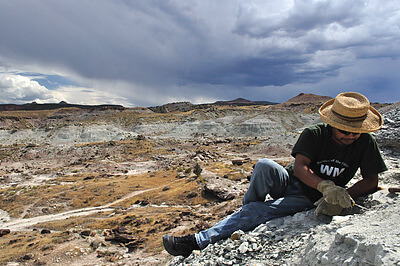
(308, 98)
(52, 106)
(243, 102)
(173, 107)
(304, 102)
(187, 106)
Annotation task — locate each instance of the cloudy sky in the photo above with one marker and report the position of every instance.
(151, 52)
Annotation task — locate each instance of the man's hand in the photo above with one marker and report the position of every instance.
(326, 208)
(334, 194)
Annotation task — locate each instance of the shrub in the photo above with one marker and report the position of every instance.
(197, 170)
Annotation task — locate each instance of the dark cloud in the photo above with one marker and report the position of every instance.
(147, 52)
(249, 72)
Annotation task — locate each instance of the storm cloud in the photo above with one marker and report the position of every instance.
(152, 52)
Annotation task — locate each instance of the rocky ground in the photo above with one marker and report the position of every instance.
(102, 187)
(366, 235)
(358, 237)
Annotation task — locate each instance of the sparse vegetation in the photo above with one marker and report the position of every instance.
(197, 170)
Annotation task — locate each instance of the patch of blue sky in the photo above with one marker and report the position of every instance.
(51, 82)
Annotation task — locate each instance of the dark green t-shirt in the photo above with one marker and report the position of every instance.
(334, 162)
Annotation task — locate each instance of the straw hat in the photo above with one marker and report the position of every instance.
(351, 111)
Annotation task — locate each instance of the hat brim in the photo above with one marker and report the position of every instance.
(372, 122)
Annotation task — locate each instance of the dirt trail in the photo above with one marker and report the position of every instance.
(135, 193)
(27, 223)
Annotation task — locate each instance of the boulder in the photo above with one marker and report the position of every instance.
(221, 188)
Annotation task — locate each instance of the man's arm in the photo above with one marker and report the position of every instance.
(303, 171)
(364, 186)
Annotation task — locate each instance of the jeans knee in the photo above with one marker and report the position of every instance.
(267, 164)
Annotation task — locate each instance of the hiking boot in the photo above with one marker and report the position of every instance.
(180, 245)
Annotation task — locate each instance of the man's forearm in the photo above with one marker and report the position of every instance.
(304, 173)
(364, 186)
(308, 177)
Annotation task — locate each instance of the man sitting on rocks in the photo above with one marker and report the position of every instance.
(327, 156)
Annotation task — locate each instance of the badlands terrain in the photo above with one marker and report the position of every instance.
(100, 186)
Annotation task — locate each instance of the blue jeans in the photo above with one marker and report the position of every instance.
(268, 178)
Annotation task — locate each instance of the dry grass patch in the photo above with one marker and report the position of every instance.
(167, 201)
(27, 114)
(147, 223)
(15, 246)
(129, 118)
(178, 192)
(166, 208)
(79, 191)
(231, 171)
